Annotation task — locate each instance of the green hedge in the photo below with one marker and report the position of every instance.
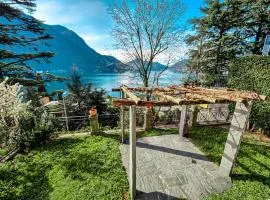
(253, 73)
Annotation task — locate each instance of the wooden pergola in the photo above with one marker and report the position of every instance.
(184, 96)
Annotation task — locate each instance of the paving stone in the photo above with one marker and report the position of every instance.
(169, 181)
(171, 167)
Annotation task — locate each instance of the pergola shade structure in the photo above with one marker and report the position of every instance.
(184, 96)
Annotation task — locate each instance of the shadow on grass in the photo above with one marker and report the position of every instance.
(254, 160)
(24, 180)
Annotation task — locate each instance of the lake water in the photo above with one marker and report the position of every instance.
(114, 80)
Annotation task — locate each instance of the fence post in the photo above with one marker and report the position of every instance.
(238, 124)
(132, 156)
(94, 120)
(183, 121)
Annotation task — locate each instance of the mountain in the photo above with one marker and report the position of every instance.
(180, 66)
(71, 50)
(156, 65)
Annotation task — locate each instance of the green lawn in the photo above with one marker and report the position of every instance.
(81, 168)
(251, 174)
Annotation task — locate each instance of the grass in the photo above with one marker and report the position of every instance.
(156, 132)
(66, 169)
(251, 174)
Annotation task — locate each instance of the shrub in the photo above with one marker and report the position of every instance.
(21, 123)
(37, 128)
(12, 111)
(253, 73)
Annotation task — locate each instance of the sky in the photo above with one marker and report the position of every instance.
(90, 20)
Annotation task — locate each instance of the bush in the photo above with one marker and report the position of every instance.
(38, 128)
(20, 123)
(12, 111)
(253, 73)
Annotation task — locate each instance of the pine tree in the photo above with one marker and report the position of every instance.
(257, 24)
(81, 96)
(20, 30)
(216, 39)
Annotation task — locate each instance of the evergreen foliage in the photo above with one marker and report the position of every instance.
(253, 73)
(82, 98)
(20, 30)
(227, 29)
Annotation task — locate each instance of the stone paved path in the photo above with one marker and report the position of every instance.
(171, 167)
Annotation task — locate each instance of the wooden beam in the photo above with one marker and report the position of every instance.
(238, 124)
(228, 94)
(132, 156)
(122, 121)
(130, 94)
(127, 102)
(201, 97)
(168, 97)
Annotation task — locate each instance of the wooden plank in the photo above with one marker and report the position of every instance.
(132, 161)
(128, 102)
(234, 138)
(228, 94)
(132, 96)
(168, 97)
(183, 121)
(122, 121)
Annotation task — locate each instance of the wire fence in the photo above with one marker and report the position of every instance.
(161, 117)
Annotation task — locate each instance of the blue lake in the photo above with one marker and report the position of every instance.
(114, 80)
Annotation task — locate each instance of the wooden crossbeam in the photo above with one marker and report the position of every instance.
(128, 102)
(131, 95)
(183, 95)
(202, 97)
(228, 94)
(168, 97)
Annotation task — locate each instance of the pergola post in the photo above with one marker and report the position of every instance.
(183, 121)
(193, 115)
(238, 124)
(132, 156)
(122, 121)
(148, 115)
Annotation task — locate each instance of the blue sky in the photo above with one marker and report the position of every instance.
(89, 19)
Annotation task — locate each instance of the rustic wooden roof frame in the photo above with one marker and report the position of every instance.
(186, 95)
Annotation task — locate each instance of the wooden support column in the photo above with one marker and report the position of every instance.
(132, 156)
(193, 117)
(122, 121)
(148, 115)
(238, 124)
(183, 121)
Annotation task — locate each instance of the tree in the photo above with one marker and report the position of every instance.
(256, 24)
(146, 29)
(81, 97)
(217, 39)
(20, 30)
(253, 73)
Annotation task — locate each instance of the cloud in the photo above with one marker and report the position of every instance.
(72, 12)
(88, 18)
(170, 57)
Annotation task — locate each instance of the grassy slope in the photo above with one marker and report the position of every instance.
(251, 175)
(83, 168)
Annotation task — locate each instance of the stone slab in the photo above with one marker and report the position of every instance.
(171, 167)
